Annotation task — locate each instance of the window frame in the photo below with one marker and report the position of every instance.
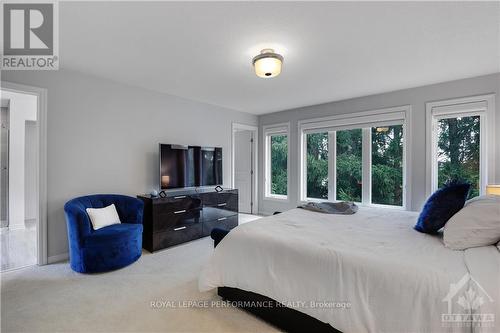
(482, 106)
(268, 132)
(365, 120)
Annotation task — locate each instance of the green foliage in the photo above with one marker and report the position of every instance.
(458, 158)
(317, 165)
(387, 165)
(349, 165)
(387, 170)
(458, 151)
(349, 177)
(279, 161)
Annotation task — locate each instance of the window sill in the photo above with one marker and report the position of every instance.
(386, 206)
(305, 201)
(278, 198)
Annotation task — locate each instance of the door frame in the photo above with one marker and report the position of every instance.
(41, 166)
(7, 217)
(236, 127)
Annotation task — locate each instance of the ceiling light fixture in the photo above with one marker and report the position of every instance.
(267, 64)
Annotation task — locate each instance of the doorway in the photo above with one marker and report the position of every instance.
(22, 147)
(244, 174)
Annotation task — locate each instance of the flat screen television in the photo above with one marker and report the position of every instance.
(189, 166)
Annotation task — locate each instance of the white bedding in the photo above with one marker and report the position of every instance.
(393, 277)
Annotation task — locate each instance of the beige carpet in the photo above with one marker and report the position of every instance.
(53, 298)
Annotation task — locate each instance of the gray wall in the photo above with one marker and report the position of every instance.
(416, 97)
(103, 137)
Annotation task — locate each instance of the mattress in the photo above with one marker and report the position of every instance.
(367, 272)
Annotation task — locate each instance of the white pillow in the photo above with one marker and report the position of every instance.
(476, 224)
(102, 217)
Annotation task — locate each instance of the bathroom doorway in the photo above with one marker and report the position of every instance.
(22, 235)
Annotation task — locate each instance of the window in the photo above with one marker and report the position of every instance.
(276, 162)
(358, 157)
(279, 157)
(459, 135)
(349, 165)
(317, 165)
(458, 151)
(387, 165)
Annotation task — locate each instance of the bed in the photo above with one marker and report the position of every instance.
(367, 272)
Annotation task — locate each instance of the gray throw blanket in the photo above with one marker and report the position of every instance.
(343, 208)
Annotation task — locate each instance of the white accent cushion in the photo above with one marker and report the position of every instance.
(477, 224)
(102, 217)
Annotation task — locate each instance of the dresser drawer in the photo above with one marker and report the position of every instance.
(215, 213)
(210, 199)
(222, 222)
(166, 221)
(176, 203)
(227, 200)
(178, 235)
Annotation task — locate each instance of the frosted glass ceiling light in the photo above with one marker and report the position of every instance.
(267, 64)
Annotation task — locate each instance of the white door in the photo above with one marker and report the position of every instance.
(243, 161)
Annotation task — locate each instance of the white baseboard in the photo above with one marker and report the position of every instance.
(58, 258)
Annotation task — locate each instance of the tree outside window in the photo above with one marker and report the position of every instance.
(279, 164)
(458, 151)
(387, 165)
(349, 165)
(317, 165)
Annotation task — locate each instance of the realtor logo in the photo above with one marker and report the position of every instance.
(470, 297)
(30, 36)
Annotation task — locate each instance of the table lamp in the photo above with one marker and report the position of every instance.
(493, 189)
(165, 181)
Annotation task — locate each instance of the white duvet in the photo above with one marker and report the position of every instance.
(367, 272)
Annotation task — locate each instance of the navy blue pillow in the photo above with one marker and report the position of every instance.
(441, 206)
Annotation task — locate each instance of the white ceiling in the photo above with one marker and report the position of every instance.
(333, 50)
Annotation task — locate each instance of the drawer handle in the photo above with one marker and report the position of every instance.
(222, 219)
(222, 204)
(180, 228)
(180, 197)
(180, 211)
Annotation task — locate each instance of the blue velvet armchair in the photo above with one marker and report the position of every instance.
(108, 248)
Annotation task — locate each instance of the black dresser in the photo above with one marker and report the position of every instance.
(186, 215)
